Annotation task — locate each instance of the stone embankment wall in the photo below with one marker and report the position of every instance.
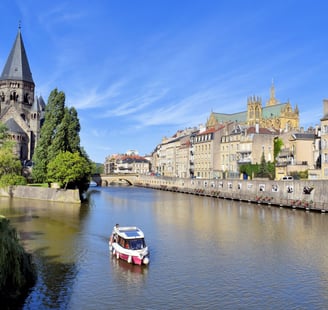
(41, 193)
(309, 195)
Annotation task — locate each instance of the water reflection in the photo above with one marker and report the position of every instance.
(132, 275)
(205, 253)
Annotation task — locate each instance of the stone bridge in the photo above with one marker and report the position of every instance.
(122, 178)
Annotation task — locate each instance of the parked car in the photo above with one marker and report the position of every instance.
(287, 178)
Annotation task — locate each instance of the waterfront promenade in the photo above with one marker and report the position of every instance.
(307, 195)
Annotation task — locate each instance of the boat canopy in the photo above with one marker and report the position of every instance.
(129, 232)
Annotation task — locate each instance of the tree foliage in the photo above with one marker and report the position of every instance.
(16, 269)
(59, 134)
(10, 165)
(262, 170)
(3, 132)
(249, 169)
(68, 167)
(277, 146)
(266, 169)
(54, 113)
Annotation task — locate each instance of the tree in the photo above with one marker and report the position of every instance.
(277, 146)
(68, 167)
(59, 133)
(3, 132)
(54, 113)
(265, 169)
(67, 135)
(10, 165)
(17, 272)
(249, 169)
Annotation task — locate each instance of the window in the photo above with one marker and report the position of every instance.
(137, 244)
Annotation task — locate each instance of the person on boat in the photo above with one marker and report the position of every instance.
(113, 237)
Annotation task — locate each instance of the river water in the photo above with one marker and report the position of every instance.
(206, 253)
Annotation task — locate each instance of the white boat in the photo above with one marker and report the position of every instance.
(128, 243)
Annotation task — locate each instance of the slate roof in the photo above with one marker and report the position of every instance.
(38, 104)
(14, 127)
(303, 136)
(17, 66)
(241, 117)
(273, 111)
(234, 117)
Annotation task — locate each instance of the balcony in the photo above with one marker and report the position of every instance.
(244, 161)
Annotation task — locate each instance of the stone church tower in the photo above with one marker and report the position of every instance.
(20, 110)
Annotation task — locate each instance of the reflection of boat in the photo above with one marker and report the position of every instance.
(125, 270)
(128, 243)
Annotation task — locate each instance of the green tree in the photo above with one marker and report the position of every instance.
(277, 146)
(73, 132)
(249, 169)
(54, 113)
(3, 132)
(59, 133)
(67, 136)
(10, 165)
(67, 168)
(17, 271)
(263, 169)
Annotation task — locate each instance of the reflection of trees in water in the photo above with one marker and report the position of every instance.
(49, 231)
(55, 282)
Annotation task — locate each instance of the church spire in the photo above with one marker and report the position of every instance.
(17, 66)
(272, 100)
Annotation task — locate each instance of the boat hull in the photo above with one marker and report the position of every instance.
(132, 257)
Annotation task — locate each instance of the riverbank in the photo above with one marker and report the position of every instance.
(307, 195)
(41, 193)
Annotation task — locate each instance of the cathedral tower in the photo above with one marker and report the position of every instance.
(254, 110)
(20, 111)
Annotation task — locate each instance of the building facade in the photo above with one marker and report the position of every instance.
(245, 145)
(324, 141)
(124, 163)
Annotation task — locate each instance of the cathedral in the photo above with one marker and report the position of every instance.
(20, 110)
(279, 116)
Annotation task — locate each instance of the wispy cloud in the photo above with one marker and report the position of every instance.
(94, 97)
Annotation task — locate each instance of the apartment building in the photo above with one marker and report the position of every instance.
(183, 158)
(298, 153)
(172, 155)
(324, 141)
(124, 163)
(205, 150)
(245, 145)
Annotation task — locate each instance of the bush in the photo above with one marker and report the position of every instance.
(12, 179)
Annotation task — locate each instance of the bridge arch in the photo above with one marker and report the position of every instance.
(106, 179)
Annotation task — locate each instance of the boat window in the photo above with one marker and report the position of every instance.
(137, 244)
(121, 241)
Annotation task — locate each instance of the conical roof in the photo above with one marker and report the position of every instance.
(17, 66)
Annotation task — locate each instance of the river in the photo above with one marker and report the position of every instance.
(206, 253)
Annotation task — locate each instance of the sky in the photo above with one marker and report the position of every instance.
(139, 70)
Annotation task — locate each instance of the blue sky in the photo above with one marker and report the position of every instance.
(139, 70)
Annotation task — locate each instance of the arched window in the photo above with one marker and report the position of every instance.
(257, 113)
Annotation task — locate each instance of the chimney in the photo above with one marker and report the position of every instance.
(325, 107)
